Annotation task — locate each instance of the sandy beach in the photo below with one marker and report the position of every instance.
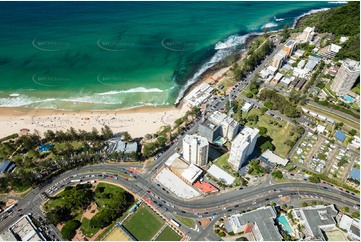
(137, 121)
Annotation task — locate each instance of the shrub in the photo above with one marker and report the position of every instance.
(68, 231)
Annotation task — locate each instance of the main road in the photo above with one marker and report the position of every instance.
(217, 204)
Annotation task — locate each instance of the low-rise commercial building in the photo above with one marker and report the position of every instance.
(352, 226)
(197, 96)
(246, 107)
(260, 222)
(176, 184)
(188, 172)
(269, 156)
(316, 220)
(221, 175)
(25, 230)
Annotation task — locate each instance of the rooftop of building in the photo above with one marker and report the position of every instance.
(340, 136)
(335, 48)
(278, 76)
(355, 174)
(219, 174)
(299, 52)
(352, 65)
(264, 218)
(272, 69)
(287, 79)
(26, 230)
(217, 117)
(310, 65)
(126, 147)
(308, 29)
(280, 55)
(350, 224)
(209, 124)
(318, 217)
(192, 173)
(247, 106)
(7, 166)
(176, 184)
(176, 163)
(205, 187)
(270, 156)
(192, 139)
(290, 43)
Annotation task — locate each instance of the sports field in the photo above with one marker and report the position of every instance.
(143, 224)
(117, 235)
(168, 234)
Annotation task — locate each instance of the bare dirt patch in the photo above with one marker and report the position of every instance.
(117, 235)
(88, 213)
(285, 199)
(204, 222)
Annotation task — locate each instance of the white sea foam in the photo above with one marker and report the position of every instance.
(14, 95)
(223, 49)
(22, 101)
(231, 41)
(269, 25)
(278, 19)
(339, 2)
(308, 13)
(133, 90)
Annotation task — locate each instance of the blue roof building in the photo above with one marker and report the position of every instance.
(340, 136)
(7, 166)
(355, 174)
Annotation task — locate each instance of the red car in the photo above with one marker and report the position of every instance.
(324, 182)
(125, 179)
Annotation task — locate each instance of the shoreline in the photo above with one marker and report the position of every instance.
(138, 121)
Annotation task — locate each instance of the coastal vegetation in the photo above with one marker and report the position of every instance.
(340, 21)
(278, 102)
(65, 151)
(250, 62)
(160, 140)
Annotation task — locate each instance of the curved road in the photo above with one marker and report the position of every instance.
(216, 205)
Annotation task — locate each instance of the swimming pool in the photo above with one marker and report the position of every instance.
(348, 98)
(282, 220)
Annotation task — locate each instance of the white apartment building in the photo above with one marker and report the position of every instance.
(306, 35)
(229, 126)
(242, 146)
(195, 149)
(346, 77)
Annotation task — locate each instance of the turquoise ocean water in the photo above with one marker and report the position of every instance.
(110, 55)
